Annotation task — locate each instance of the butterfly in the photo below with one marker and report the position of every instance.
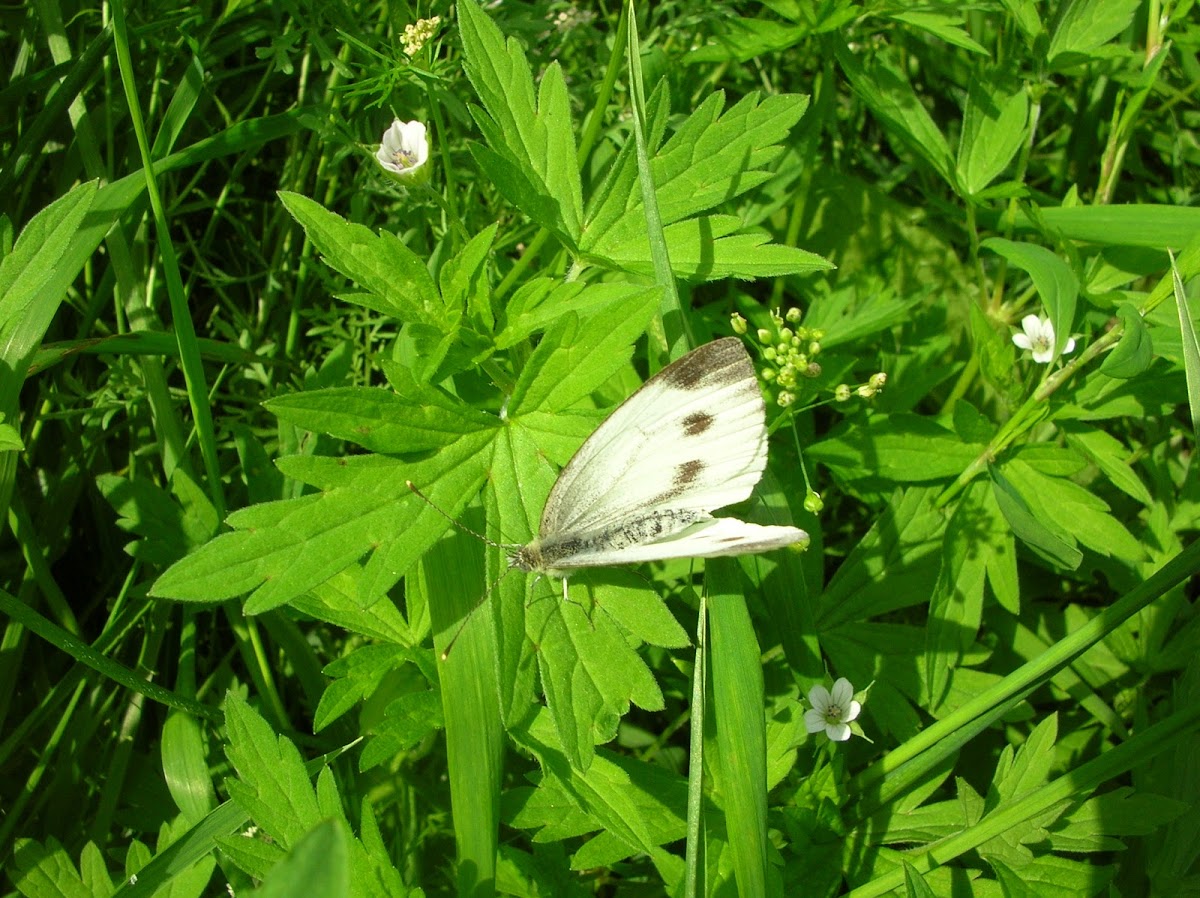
(643, 486)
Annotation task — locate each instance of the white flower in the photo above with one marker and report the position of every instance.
(832, 712)
(1038, 338)
(404, 151)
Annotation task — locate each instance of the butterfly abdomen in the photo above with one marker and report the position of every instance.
(555, 553)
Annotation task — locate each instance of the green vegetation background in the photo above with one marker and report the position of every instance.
(220, 600)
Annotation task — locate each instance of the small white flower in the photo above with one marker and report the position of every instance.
(404, 151)
(832, 712)
(1038, 338)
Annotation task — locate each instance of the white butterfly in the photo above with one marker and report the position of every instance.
(643, 487)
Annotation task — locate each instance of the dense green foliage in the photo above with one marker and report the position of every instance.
(224, 611)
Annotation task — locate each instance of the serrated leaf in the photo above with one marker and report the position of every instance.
(1134, 351)
(46, 870)
(589, 671)
(635, 803)
(378, 262)
(280, 549)
(534, 143)
(538, 304)
(272, 783)
(706, 248)
(711, 159)
(575, 358)
(893, 566)
(1095, 823)
(357, 675)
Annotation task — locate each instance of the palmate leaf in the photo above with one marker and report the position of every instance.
(365, 508)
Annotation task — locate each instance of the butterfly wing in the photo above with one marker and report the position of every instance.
(692, 439)
(705, 539)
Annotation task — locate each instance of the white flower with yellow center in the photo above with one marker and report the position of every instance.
(1038, 338)
(832, 711)
(404, 152)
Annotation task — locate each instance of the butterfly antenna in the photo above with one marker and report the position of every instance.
(470, 614)
(463, 527)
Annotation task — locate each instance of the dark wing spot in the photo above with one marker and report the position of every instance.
(686, 473)
(696, 423)
(730, 539)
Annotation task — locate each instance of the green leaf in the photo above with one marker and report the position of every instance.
(1082, 27)
(944, 25)
(316, 867)
(709, 248)
(575, 358)
(1136, 224)
(1134, 351)
(737, 708)
(539, 303)
(956, 605)
(532, 148)
(892, 100)
(1055, 282)
(589, 670)
(1111, 456)
(1076, 511)
(1055, 545)
(449, 580)
(1191, 351)
(893, 566)
(281, 549)
(1095, 823)
(378, 262)
(995, 350)
(47, 870)
(168, 527)
(357, 676)
(632, 806)
(272, 783)
(711, 159)
(902, 448)
(741, 39)
(420, 418)
(995, 123)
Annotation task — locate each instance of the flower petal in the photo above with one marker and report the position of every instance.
(852, 713)
(818, 697)
(842, 693)
(814, 721)
(838, 732)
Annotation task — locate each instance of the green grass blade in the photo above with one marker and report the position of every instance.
(737, 705)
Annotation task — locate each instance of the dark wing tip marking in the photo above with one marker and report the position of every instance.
(721, 361)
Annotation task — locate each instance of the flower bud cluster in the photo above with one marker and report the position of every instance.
(789, 349)
(417, 34)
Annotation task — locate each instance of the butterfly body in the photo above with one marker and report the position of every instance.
(643, 486)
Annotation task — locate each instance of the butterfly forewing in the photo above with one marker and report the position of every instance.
(691, 440)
